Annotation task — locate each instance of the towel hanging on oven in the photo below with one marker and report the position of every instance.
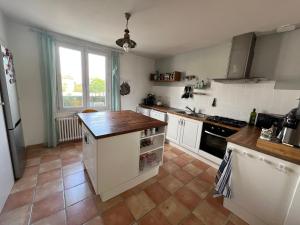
(223, 177)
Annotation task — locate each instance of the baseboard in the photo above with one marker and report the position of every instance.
(36, 146)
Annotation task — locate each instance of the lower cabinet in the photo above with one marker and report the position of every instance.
(262, 187)
(185, 132)
(190, 135)
(144, 111)
(158, 115)
(89, 154)
(293, 217)
(112, 161)
(173, 129)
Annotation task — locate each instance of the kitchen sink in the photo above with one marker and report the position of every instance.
(197, 115)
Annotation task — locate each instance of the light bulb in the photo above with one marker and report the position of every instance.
(126, 47)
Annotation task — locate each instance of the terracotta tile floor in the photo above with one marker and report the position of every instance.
(55, 190)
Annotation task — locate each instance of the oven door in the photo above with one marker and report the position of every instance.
(213, 144)
(213, 139)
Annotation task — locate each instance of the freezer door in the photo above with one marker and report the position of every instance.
(17, 149)
(9, 89)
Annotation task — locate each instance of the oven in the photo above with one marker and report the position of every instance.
(213, 139)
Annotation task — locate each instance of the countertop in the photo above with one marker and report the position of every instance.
(175, 111)
(107, 124)
(248, 136)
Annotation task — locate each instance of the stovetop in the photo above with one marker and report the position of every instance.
(227, 121)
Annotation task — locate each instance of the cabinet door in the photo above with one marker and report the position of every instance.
(260, 187)
(173, 129)
(190, 135)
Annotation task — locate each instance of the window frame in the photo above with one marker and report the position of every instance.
(85, 50)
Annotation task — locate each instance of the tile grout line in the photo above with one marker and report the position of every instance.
(33, 198)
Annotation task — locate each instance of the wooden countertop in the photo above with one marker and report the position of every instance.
(107, 124)
(248, 136)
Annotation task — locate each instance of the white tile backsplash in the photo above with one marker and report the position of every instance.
(233, 100)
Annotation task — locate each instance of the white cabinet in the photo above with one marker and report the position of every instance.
(262, 186)
(110, 162)
(158, 115)
(89, 154)
(118, 159)
(293, 217)
(185, 132)
(144, 111)
(190, 134)
(173, 130)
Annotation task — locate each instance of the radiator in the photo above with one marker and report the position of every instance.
(68, 128)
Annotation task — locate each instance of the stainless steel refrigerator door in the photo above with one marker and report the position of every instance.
(17, 150)
(9, 90)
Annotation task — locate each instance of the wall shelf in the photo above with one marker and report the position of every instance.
(166, 77)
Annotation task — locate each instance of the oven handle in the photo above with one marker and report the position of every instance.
(216, 135)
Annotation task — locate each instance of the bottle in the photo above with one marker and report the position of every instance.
(252, 117)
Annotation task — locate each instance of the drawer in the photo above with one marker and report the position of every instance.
(158, 115)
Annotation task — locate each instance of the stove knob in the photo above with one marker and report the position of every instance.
(223, 131)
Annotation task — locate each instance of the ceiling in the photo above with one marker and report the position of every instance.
(160, 27)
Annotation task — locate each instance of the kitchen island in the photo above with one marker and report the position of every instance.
(121, 150)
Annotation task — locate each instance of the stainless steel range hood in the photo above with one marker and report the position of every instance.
(240, 61)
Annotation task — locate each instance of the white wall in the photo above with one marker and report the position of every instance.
(211, 62)
(136, 71)
(25, 48)
(3, 29)
(234, 100)
(6, 172)
(277, 56)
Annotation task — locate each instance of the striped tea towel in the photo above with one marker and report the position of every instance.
(223, 178)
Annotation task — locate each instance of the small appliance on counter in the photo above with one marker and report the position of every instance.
(291, 128)
(150, 100)
(268, 121)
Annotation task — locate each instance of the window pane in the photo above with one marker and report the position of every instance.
(97, 80)
(71, 77)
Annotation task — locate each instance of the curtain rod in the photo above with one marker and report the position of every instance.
(60, 37)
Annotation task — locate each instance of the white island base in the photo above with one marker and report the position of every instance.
(114, 163)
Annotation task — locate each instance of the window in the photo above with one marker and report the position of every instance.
(82, 79)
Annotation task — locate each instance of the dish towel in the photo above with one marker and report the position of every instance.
(223, 178)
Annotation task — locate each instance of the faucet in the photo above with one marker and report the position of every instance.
(191, 110)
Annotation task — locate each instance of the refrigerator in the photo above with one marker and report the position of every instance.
(10, 104)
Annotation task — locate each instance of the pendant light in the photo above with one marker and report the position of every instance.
(126, 43)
